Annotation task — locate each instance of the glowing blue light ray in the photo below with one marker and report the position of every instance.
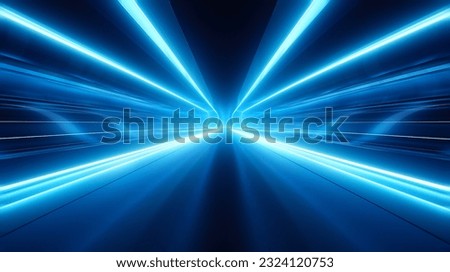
(365, 87)
(141, 19)
(397, 136)
(391, 38)
(77, 169)
(413, 180)
(17, 71)
(21, 193)
(50, 135)
(314, 9)
(60, 173)
(410, 198)
(323, 133)
(14, 17)
(414, 204)
(438, 200)
(39, 195)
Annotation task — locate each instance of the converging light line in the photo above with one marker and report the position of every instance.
(391, 38)
(14, 17)
(143, 21)
(299, 150)
(314, 9)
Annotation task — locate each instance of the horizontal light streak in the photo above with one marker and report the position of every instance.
(50, 135)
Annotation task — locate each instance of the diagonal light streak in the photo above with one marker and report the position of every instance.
(366, 87)
(389, 39)
(376, 134)
(26, 200)
(314, 9)
(75, 169)
(38, 28)
(22, 194)
(401, 177)
(412, 199)
(58, 80)
(144, 22)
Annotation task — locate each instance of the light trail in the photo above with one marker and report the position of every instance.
(314, 9)
(365, 87)
(391, 38)
(405, 178)
(23, 201)
(143, 21)
(411, 199)
(38, 28)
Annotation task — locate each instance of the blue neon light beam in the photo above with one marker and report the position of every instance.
(389, 39)
(314, 9)
(366, 86)
(14, 17)
(413, 199)
(144, 22)
(298, 150)
(44, 193)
